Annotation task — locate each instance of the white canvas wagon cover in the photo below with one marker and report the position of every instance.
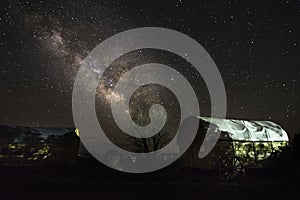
(249, 130)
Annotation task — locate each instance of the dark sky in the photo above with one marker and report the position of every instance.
(255, 44)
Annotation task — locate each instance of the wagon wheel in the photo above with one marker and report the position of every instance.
(230, 169)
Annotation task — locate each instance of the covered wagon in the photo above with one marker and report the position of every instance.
(242, 144)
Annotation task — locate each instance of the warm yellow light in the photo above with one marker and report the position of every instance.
(77, 132)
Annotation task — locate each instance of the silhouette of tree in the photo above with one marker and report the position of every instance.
(152, 143)
(7, 136)
(32, 136)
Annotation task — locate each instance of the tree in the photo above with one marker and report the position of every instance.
(7, 136)
(143, 145)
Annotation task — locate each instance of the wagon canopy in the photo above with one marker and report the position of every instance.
(249, 130)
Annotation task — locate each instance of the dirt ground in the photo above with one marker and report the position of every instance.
(94, 181)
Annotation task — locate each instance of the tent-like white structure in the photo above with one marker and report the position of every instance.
(242, 144)
(249, 130)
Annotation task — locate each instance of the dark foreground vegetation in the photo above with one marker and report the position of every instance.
(87, 178)
(90, 179)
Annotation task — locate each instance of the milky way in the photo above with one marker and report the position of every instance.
(255, 45)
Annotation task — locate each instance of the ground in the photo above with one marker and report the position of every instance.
(94, 181)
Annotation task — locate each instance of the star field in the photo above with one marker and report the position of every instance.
(256, 46)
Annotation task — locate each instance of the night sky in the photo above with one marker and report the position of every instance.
(255, 44)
